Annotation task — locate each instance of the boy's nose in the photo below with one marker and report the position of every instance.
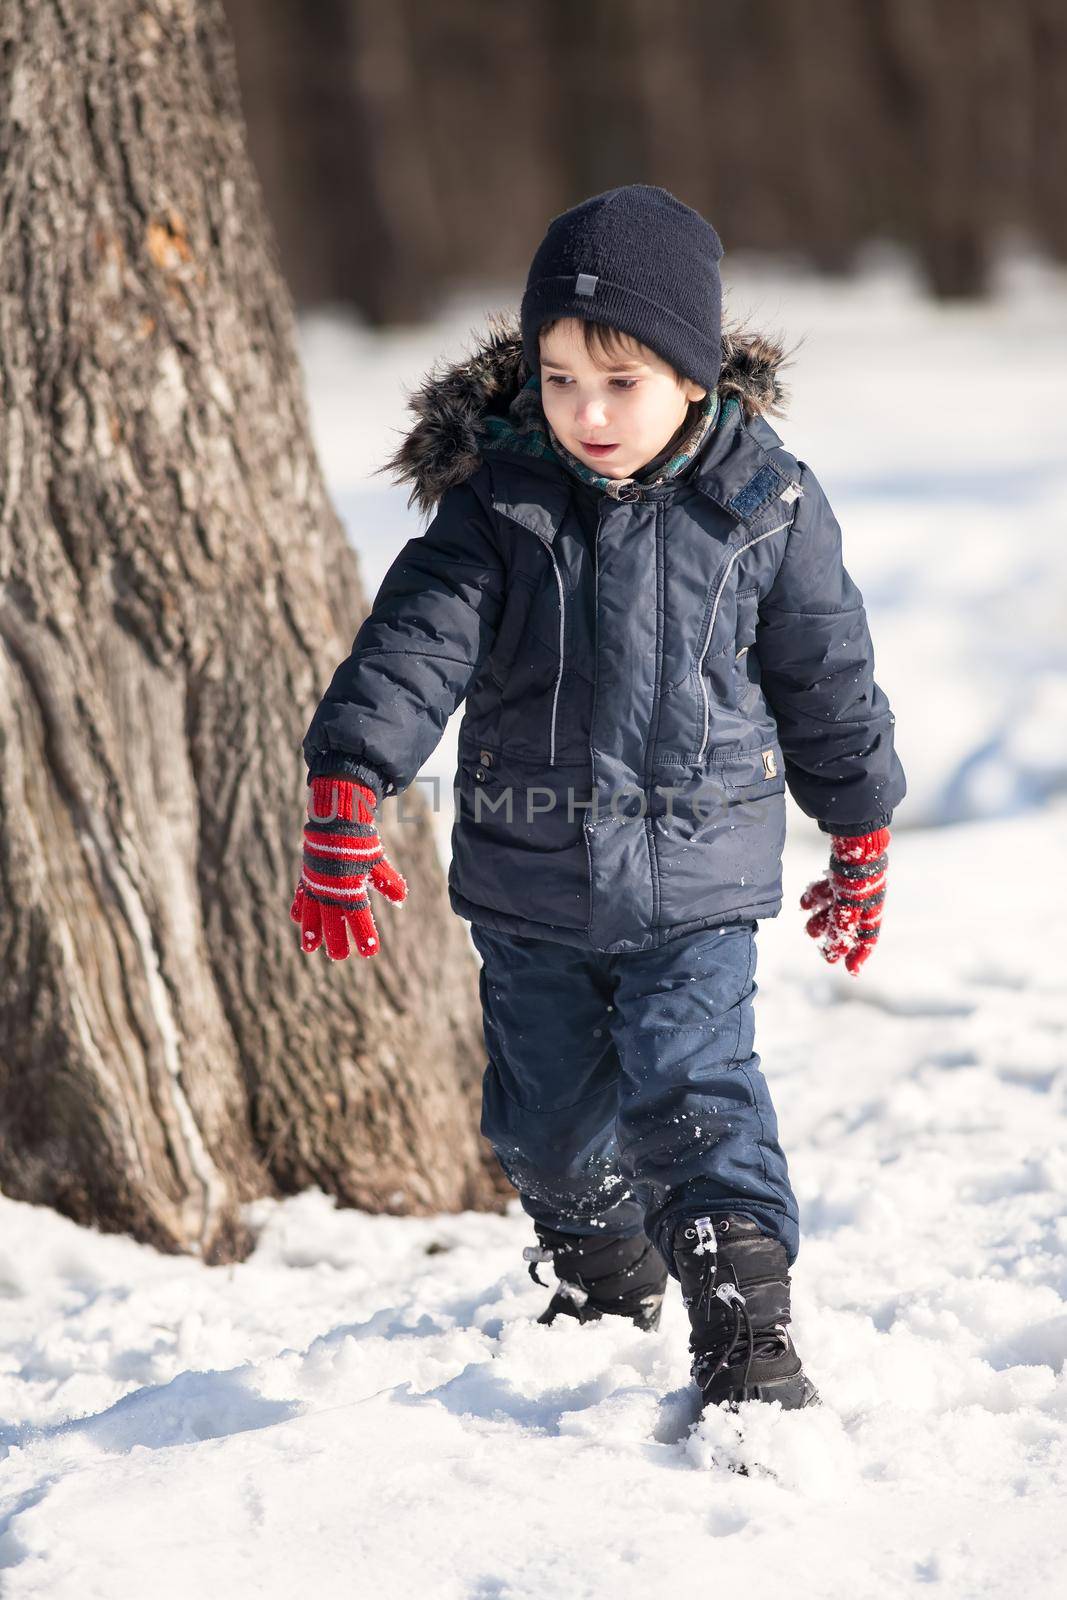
(592, 415)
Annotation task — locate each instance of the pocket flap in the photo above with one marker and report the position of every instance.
(760, 769)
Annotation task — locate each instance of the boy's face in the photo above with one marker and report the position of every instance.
(633, 403)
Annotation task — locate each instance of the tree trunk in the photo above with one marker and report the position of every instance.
(175, 592)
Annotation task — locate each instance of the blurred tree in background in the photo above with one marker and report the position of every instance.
(412, 147)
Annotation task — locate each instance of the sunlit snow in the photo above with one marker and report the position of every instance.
(367, 1405)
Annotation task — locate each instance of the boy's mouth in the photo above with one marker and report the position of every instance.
(597, 449)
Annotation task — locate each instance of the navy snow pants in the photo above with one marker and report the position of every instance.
(623, 1092)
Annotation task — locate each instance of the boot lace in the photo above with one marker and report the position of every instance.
(761, 1342)
(565, 1289)
(534, 1254)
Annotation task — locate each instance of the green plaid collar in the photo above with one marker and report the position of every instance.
(525, 431)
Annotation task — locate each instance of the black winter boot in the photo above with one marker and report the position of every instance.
(735, 1284)
(598, 1276)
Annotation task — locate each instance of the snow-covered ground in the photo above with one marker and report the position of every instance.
(367, 1406)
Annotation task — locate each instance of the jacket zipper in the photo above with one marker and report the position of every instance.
(591, 822)
(657, 705)
(711, 629)
(559, 674)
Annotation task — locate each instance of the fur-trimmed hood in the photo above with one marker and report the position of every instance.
(446, 445)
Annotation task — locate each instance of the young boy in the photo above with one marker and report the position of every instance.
(640, 594)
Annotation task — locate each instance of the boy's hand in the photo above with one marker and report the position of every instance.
(849, 897)
(341, 850)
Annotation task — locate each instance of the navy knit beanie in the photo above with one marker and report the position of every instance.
(641, 261)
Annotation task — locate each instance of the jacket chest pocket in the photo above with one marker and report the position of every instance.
(514, 620)
(747, 621)
(746, 657)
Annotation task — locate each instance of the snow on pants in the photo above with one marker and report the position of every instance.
(623, 1092)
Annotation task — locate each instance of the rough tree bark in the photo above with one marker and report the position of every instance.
(175, 591)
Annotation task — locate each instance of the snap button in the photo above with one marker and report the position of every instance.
(479, 773)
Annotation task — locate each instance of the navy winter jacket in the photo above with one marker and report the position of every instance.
(643, 677)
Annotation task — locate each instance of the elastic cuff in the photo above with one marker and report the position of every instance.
(335, 764)
(853, 830)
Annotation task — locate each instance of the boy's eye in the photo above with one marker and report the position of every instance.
(623, 383)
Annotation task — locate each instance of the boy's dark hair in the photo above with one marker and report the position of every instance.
(605, 344)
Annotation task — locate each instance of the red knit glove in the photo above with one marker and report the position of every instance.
(341, 849)
(849, 897)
